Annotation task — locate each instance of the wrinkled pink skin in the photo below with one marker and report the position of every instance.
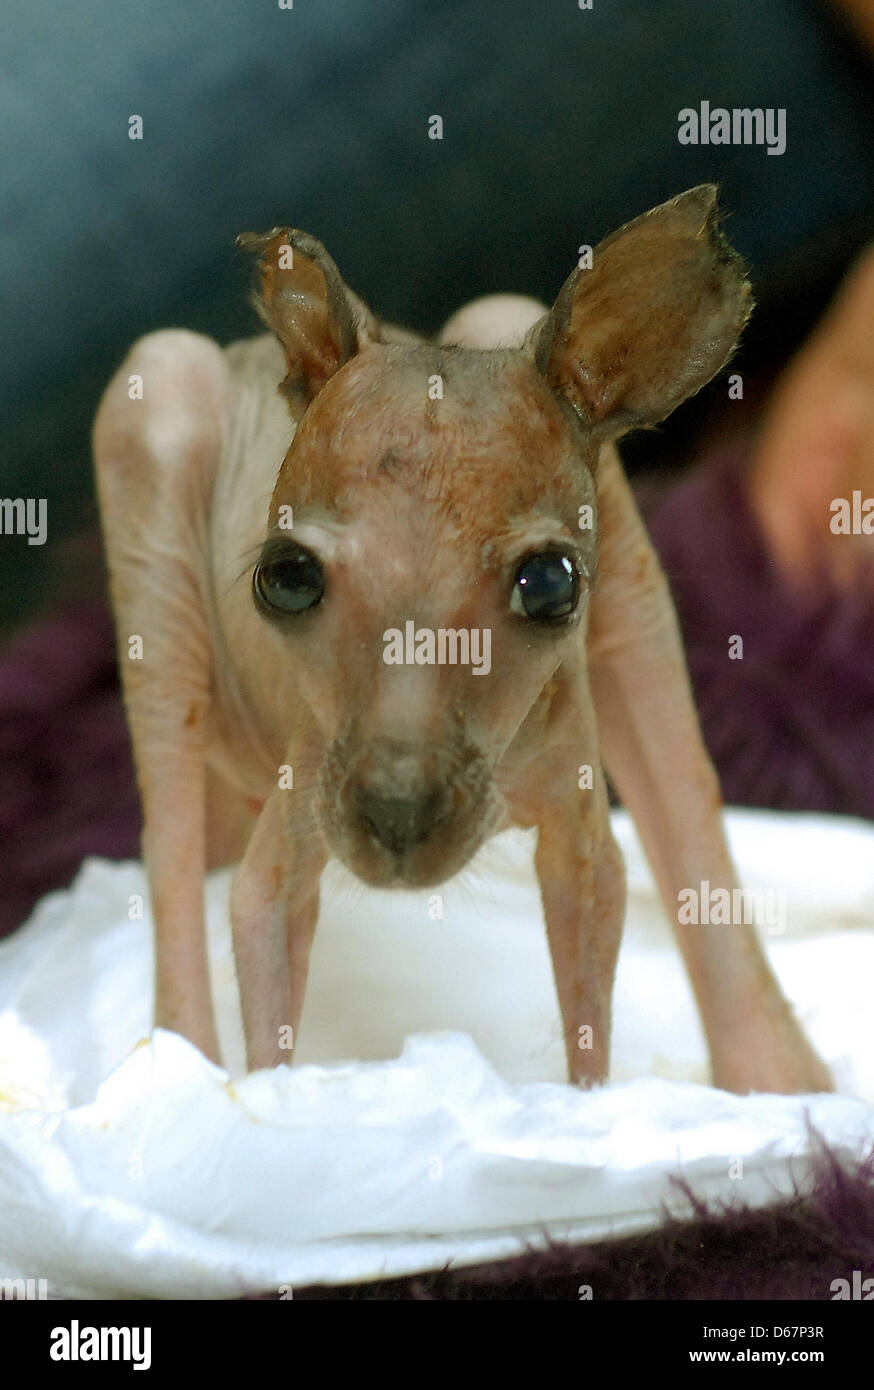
(420, 509)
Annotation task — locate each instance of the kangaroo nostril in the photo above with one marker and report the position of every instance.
(401, 823)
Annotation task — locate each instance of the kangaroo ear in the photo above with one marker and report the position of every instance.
(657, 315)
(319, 322)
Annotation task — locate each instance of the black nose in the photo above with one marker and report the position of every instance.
(401, 823)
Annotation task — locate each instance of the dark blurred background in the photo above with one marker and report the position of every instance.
(559, 125)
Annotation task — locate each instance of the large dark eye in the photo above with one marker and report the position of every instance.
(288, 579)
(546, 587)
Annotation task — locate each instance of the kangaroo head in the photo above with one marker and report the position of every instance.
(435, 580)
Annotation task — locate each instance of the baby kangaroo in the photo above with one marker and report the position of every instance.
(394, 596)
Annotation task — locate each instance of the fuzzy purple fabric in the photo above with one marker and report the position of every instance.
(68, 786)
(791, 725)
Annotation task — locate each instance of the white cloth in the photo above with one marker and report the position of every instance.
(132, 1168)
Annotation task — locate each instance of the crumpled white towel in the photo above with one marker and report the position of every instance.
(133, 1170)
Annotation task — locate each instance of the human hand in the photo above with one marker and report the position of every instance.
(816, 448)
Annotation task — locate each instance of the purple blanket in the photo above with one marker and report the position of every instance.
(791, 725)
(68, 787)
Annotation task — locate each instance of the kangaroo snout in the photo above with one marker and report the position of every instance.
(399, 823)
(405, 815)
(402, 794)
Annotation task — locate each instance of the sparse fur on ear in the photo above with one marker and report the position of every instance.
(656, 316)
(302, 298)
